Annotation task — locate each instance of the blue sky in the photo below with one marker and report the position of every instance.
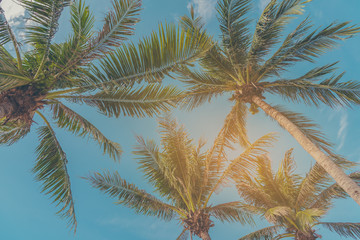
(25, 213)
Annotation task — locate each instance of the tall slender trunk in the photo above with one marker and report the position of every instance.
(344, 181)
(204, 236)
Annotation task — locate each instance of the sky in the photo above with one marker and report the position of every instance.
(25, 213)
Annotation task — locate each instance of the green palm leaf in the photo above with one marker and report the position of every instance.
(70, 55)
(9, 134)
(44, 16)
(119, 24)
(152, 59)
(135, 102)
(330, 91)
(234, 28)
(270, 26)
(51, 170)
(131, 196)
(298, 47)
(75, 123)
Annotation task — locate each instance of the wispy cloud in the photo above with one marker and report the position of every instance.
(13, 12)
(342, 132)
(204, 8)
(262, 4)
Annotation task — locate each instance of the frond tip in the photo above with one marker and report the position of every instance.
(51, 170)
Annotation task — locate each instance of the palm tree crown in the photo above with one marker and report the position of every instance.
(248, 66)
(294, 204)
(185, 177)
(90, 67)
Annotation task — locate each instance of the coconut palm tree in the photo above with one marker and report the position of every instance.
(91, 67)
(247, 67)
(184, 177)
(292, 203)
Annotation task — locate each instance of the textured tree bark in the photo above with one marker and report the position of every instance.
(344, 181)
(6, 107)
(204, 236)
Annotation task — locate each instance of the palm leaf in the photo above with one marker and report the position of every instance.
(9, 133)
(298, 47)
(231, 212)
(7, 35)
(309, 128)
(334, 191)
(241, 165)
(153, 58)
(44, 16)
(119, 24)
(135, 102)
(234, 28)
(330, 91)
(70, 55)
(51, 170)
(131, 196)
(75, 123)
(270, 26)
(267, 233)
(343, 229)
(155, 169)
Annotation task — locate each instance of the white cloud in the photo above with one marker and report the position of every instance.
(341, 134)
(204, 8)
(262, 4)
(13, 12)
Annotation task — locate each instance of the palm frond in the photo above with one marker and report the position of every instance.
(131, 196)
(70, 55)
(11, 75)
(326, 196)
(11, 133)
(44, 16)
(192, 23)
(155, 170)
(315, 188)
(7, 35)
(330, 91)
(275, 214)
(231, 212)
(267, 233)
(153, 58)
(270, 26)
(298, 47)
(130, 101)
(51, 170)
(240, 166)
(285, 177)
(307, 217)
(234, 28)
(343, 229)
(75, 123)
(119, 24)
(309, 128)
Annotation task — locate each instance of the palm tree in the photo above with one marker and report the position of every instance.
(94, 68)
(292, 203)
(185, 177)
(247, 67)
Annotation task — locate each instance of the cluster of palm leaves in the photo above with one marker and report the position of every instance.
(99, 69)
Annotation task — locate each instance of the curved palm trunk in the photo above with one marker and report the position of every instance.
(344, 181)
(204, 236)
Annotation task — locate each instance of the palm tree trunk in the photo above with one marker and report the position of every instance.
(344, 181)
(204, 236)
